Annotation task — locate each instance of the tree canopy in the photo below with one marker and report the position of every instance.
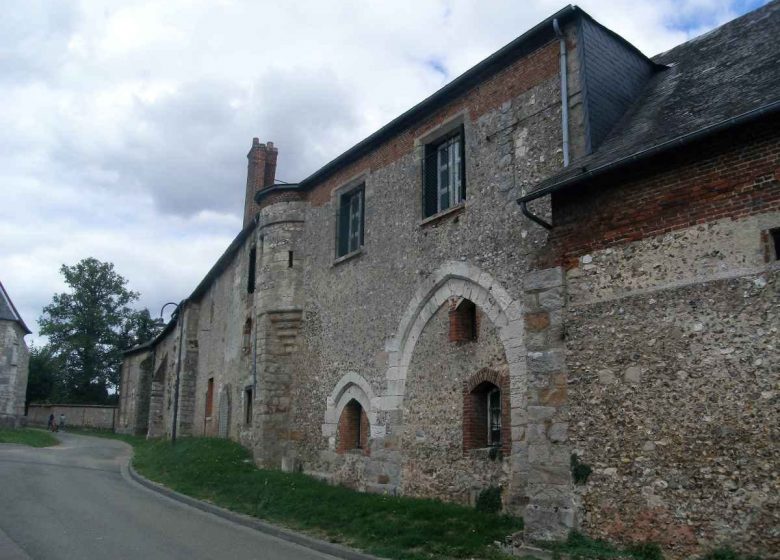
(88, 328)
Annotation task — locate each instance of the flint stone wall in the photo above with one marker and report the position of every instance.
(672, 345)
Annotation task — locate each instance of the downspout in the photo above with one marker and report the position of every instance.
(564, 121)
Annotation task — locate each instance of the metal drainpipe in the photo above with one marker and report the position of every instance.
(564, 93)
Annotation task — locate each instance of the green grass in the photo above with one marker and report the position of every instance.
(222, 472)
(580, 546)
(27, 436)
(727, 554)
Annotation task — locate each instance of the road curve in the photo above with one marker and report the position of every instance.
(71, 502)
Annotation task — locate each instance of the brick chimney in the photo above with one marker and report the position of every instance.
(261, 172)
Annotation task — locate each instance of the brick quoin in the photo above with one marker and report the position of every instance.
(475, 410)
(527, 72)
(732, 176)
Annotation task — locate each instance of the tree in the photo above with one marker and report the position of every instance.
(89, 327)
(43, 380)
(140, 327)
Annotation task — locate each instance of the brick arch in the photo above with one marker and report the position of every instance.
(351, 386)
(485, 374)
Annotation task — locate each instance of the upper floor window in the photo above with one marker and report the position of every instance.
(444, 174)
(351, 220)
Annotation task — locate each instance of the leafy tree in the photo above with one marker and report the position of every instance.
(140, 327)
(89, 327)
(43, 380)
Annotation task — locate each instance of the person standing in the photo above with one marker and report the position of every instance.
(51, 422)
(62, 421)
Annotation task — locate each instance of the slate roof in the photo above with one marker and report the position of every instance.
(732, 71)
(7, 310)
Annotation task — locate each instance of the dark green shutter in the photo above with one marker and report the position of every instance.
(343, 226)
(362, 214)
(462, 163)
(430, 169)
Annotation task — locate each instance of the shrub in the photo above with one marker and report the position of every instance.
(489, 500)
(579, 471)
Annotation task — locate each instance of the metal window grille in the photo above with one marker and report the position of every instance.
(494, 416)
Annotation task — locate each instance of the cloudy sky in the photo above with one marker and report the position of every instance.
(124, 126)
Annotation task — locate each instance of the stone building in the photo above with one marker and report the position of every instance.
(14, 362)
(557, 275)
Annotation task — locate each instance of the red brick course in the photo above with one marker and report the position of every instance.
(734, 175)
(527, 72)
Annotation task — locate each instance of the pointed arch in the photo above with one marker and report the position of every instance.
(461, 280)
(351, 386)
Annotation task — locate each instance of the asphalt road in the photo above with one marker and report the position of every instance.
(71, 501)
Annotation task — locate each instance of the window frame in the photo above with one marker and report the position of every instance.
(249, 395)
(209, 409)
(355, 221)
(494, 417)
(456, 167)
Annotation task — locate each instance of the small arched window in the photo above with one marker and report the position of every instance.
(463, 322)
(484, 417)
(353, 428)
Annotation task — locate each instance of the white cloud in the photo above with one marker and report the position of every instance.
(124, 127)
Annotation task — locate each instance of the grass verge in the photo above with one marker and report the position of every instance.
(223, 473)
(27, 436)
(580, 546)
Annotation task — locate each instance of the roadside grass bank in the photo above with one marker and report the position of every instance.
(27, 436)
(223, 473)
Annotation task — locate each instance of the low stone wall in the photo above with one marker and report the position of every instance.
(76, 415)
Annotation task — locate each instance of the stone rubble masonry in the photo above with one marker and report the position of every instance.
(135, 394)
(604, 335)
(100, 417)
(14, 365)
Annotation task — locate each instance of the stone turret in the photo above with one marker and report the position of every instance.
(278, 300)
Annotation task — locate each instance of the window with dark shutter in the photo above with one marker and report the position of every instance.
(444, 184)
(350, 221)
